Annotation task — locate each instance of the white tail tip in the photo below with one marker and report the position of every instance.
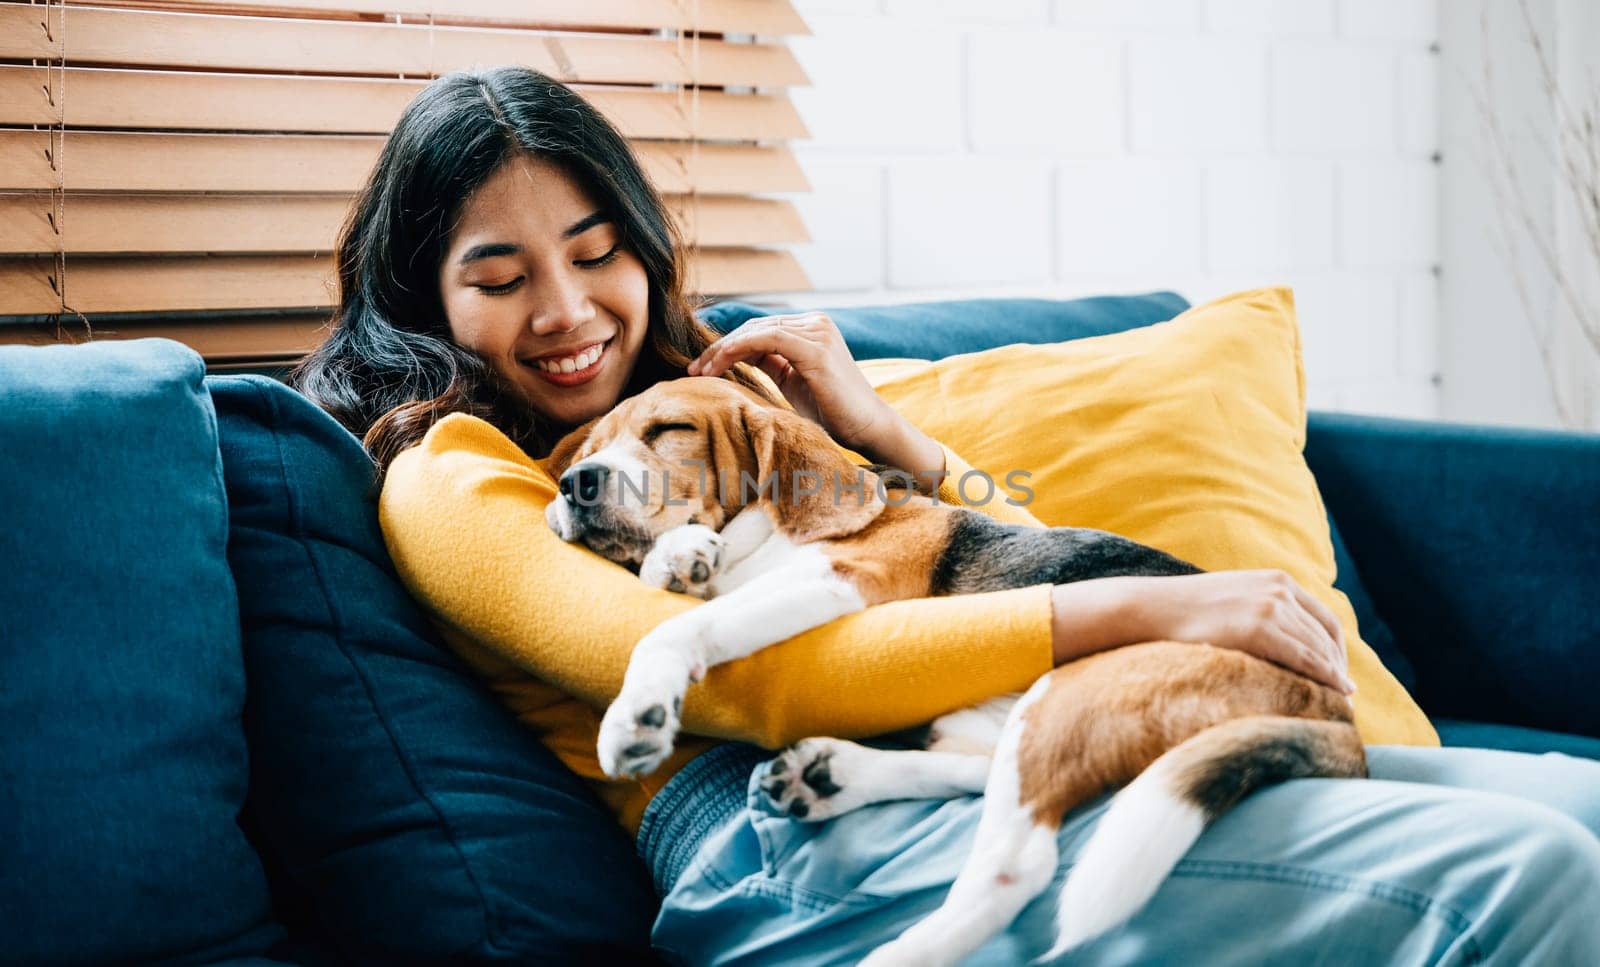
(1138, 841)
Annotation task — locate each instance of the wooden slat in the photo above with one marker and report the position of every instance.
(743, 271)
(98, 98)
(95, 161)
(26, 225)
(188, 162)
(112, 285)
(168, 285)
(127, 224)
(735, 221)
(174, 224)
(25, 287)
(159, 39)
(225, 341)
(770, 17)
(168, 100)
(684, 116)
(720, 169)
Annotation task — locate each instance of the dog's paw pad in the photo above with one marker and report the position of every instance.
(802, 782)
(636, 735)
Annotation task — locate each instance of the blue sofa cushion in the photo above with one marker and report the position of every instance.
(1514, 738)
(417, 817)
(1481, 544)
(937, 329)
(123, 766)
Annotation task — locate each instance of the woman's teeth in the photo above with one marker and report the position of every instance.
(571, 364)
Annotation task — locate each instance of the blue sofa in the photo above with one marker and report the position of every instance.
(227, 735)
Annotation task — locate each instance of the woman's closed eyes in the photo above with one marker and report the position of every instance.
(599, 261)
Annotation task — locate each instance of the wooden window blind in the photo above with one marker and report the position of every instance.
(181, 168)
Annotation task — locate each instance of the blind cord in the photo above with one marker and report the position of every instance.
(56, 138)
(691, 167)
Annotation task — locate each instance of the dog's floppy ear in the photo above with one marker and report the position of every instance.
(815, 492)
(562, 454)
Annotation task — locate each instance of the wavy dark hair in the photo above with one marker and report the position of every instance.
(390, 368)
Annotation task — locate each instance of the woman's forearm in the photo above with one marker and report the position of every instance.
(907, 448)
(1096, 615)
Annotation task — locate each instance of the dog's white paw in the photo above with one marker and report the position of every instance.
(683, 559)
(638, 730)
(811, 779)
(637, 733)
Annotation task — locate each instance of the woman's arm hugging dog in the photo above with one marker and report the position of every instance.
(707, 489)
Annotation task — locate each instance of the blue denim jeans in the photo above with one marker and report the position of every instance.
(1445, 856)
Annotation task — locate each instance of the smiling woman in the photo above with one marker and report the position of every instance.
(509, 259)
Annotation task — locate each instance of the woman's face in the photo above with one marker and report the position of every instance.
(535, 280)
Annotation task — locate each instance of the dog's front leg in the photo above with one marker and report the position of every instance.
(638, 730)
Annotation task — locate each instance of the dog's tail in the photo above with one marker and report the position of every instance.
(1154, 820)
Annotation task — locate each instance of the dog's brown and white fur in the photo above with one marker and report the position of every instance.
(1187, 729)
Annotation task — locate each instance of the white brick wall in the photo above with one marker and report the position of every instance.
(965, 148)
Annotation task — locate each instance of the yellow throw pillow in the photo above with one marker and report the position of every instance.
(1186, 436)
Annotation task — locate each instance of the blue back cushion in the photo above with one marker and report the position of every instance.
(122, 685)
(415, 816)
(934, 330)
(1481, 545)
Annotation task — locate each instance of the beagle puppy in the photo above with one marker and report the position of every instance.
(706, 489)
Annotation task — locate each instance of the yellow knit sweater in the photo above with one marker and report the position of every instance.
(550, 625)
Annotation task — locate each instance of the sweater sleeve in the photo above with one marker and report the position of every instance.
(463, 516)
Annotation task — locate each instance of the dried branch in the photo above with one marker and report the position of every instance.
(1573, 152)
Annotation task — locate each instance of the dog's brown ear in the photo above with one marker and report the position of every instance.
(562, 454)
(815, 493)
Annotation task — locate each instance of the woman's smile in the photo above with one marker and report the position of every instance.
(569, 368)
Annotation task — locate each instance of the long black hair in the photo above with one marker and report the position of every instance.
(390, 369)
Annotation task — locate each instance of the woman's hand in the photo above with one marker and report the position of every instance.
(1261, 613)
(806, 356)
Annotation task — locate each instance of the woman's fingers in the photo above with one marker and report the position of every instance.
(1304, 619)
(774, 364)
(1317, 625)
(1293, 654)
(753, 345)
(776, 367)
(1314, 638)
(1323, 616)
(801, 339)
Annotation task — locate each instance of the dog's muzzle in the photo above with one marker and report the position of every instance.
(582, 490)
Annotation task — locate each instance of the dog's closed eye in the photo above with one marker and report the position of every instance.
(656, 429)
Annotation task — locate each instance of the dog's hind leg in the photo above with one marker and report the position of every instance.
(819, 779)
(1012, 861)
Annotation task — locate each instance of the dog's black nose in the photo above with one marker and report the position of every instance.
(583, 484)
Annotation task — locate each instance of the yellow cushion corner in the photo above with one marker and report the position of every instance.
(1186, 435)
